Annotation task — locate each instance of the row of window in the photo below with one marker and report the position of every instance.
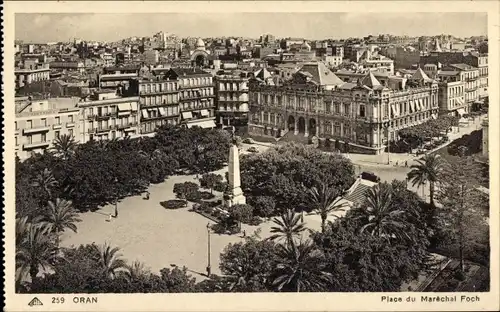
(228, 86)
(158, 87)
(43, 137)
(147, 127)
(196, 93)
(192, 82)
(106, 136)
(196, 105)
(43, 122)
(103, 124)
(159, 99)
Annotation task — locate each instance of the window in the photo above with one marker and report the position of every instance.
(58, 120)
(29, 124)
(71, 118)
(362, 111)
(43, 137)
(91, 111)
(57, 134)
(44, 122)
(16, 141)
(30, 139)
(15, 125)
(99, 111)
(91, 137)
(70, 132)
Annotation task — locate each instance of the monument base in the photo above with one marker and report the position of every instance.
(235, 197)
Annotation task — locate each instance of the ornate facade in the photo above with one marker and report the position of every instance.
(364, 114)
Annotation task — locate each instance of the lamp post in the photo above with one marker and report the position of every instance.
(116, 200)
(209, 268)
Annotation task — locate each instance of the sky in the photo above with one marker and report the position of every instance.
(40, 28)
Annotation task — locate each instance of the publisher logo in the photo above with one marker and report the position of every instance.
(35, 302)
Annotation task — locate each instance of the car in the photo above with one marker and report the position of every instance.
(370, 176)
(253, 149)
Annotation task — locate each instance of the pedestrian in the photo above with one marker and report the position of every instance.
(244, 233)
(110, 217)
(147, 195)
(397, 163)
(406, 163)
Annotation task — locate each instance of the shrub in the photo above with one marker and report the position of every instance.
(242, 213)
(263, 206)
(221, 186)
(459, 275)
(174, 204)
(206, 195)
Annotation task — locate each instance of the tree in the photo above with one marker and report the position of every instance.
(241, 213)
(64, 146)
(300, 268)
(378, 216)
(110, 261)
(326, 200)
(183, 190)
(286, 172)
(45, 181)
(288, 227)
(210, 181)
(136, 272)
(35, 251)
(60, 216)
(426, 170)
(249, 264)
(263, 206)
(461, 204)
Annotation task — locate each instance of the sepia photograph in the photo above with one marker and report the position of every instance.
(251, 152)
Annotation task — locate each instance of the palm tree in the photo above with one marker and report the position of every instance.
(60, 216)
(45, 181)
(35, 251)
(289, 226)
(64, 146)
(110, 260)
(379, 215)
(300, 268)
(136, 271)
(426, 170)
(326, 200)
(22, 227)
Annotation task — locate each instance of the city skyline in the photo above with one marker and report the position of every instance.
(39, 28)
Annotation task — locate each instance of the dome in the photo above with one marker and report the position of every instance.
(306, 46)
(200, 43)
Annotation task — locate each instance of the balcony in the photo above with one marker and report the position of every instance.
(471, 89)
(206, 85)
(70, 125)
(197, 97)
(126, 126)
(57, 126)
(37, 129)
(36, 145)
(157, 92)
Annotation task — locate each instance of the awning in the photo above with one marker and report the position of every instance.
(394, 111)
(202, 124)
(434, 116)
(460, 102)
(187, 115)
(145, 113)
(461, 111)
(134, 105)
(421, 102)
(124, 113)
(124, 106)
(162, 111)
(417, 106)
(412, 107)
(204, 113)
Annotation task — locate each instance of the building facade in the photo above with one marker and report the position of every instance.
(39, 122)
(365, 115)
(27, 74)
(106, 116)
(159, 103)
(232, 100)
(196, 96)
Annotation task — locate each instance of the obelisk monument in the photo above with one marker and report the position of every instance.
(234, 193)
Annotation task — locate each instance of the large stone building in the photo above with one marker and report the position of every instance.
(232, 99)
(159, 102)
(40, 121)
(365, 114)
(105, 115)
(196, 96)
